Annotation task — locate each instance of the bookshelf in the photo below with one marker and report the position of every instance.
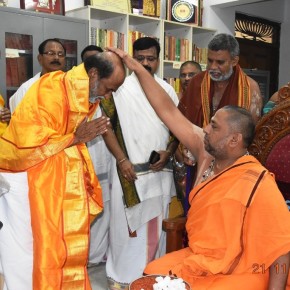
(21, 33)
(127, 23)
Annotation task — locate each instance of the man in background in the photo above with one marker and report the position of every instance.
(90, 50)
(187, 70)
(51, 57)
(223, 83)
(141, 192)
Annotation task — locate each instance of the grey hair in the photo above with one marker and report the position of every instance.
(225, 41)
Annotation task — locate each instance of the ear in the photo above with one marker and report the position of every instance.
(235, 140)
(93, 72)
(235, 60)
(39, 58)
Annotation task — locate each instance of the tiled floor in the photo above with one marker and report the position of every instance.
(98, 277)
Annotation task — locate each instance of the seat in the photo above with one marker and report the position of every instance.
(271, 146)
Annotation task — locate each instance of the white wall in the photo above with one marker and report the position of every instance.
(223, 19)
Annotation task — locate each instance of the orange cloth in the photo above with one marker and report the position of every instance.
(224, 253)
(2, 125)
(64, 192)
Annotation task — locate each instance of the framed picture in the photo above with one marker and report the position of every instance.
(184, 11)
(46, 6)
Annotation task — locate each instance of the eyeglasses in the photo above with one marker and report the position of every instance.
(189, 75)
(53, 53)
(149, 58)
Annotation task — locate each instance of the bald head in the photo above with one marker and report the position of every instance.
(106, 72)
(240, 120)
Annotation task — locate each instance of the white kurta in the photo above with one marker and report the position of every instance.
(143, 132)
(101, 158)
(19, 94)
(16, 243)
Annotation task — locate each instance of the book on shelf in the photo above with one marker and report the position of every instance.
(184, 11)
(176, 49)
(175, 83)
(107, 38)
(151, 8)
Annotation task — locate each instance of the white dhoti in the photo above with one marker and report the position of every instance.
(143, 132)
(16, 243)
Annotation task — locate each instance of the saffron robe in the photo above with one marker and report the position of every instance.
(64, 192)
(234, 236)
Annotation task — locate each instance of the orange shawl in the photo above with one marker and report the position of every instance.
(238, 225)
(196, 103)
(63, 189)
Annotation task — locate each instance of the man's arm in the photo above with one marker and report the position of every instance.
(279, 273)
(256, 100)
(124, 164)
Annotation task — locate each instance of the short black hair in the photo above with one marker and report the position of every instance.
(192, 62)
(42, 45)
(103, 65)
(90, 48)
(146, 43)
(223, 41)
(241, 120)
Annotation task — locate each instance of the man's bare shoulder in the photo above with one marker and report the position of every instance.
(256, 99)
(254, 86)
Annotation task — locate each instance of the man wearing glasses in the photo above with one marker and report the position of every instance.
(187, 70)
(141, 192)
(51, 57)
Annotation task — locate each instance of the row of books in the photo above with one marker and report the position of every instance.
(199, 54)
(107, 38)
(175, 83)
(176, 49)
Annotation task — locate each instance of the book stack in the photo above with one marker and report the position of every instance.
(199, 54)
(107, 38)
(176, 49)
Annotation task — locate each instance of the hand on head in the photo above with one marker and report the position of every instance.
(129, 61)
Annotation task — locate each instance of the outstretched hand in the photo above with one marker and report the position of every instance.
(87, 131)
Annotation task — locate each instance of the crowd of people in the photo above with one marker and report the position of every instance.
(87, 176)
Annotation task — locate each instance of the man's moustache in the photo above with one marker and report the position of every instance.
(55, 62)
(147, 68)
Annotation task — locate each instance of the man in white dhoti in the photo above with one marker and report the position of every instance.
(16, 243)
(141, 192)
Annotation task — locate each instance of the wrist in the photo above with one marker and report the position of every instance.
(120, 161)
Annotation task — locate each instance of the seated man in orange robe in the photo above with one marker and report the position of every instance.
(46, 137)
(238, 224)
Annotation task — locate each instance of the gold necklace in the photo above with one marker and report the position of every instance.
(210, 171)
